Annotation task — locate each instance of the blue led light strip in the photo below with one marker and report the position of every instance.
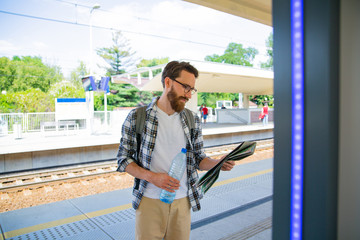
(297, 158)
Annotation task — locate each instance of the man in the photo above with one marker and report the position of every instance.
(165, 132)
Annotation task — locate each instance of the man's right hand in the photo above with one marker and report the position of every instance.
(161, 180)
(164, 181)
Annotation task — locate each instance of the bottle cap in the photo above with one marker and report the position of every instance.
(183, 150)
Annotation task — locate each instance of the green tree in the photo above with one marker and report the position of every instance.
(119, 56)
(151, 63)
(236, 54)
(7, 103)
(260, 100)
(146, 96)
(35, 100)
(30, 100)
(127, 96)
(22, 73)
(7, 74)
(210, 98)
(66, 89)
(269, 44)
(78, 73)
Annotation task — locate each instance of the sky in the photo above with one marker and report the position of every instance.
(59, 30)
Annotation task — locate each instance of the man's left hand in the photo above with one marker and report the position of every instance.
(227, 166)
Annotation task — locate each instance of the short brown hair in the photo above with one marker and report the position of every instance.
(174, 68)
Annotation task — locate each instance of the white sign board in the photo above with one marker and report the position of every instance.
(70, 109)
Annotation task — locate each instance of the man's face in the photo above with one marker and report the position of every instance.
(177, 102)
(177, 96)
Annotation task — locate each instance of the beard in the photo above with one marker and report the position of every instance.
(175, 100)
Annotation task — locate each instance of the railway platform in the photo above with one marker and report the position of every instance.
(238, 206)
(34, 150)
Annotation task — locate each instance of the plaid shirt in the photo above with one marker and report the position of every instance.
(128, 146)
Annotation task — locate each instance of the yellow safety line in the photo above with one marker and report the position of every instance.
(63, 221)
(77, 218)
(231, 180)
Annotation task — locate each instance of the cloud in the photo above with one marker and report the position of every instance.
(7, 47)
(174, 29)
(40, 45)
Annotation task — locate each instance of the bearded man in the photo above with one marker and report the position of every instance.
(164, 134)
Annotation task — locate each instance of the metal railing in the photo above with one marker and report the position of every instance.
(31, 122)
(8, 120)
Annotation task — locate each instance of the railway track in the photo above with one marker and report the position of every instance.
(53, 176)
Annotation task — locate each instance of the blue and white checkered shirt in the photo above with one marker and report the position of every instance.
(128, 145)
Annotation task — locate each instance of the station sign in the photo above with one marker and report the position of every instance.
(89, 83)
(103, 84)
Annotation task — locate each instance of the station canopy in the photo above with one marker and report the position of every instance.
(254, 10)
(213, 77)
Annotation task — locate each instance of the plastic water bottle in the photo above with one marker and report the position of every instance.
(176, 171)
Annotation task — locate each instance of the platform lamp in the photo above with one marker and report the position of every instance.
(90, 94)
(96, 6)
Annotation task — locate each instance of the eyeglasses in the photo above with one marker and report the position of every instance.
(186, 87)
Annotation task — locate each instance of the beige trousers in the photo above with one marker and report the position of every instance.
(158, 220)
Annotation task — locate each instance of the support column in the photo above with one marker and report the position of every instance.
(241, 103)
(246, 101)
(192, 103)
(321, 125)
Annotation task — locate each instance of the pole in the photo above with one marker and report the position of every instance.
(241, 103)
(105, 110)
(96, 6)
(90, 95)
(91, 46)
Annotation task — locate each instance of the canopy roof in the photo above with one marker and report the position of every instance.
(255, 10)
(213, 77)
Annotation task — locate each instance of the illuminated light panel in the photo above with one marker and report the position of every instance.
(297, 158)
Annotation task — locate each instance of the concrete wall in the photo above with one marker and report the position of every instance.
(242, 116)
(73, 155)
(50, 158)
(235, 137)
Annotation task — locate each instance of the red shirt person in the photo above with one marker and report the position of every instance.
(265, 113)
(205, 113)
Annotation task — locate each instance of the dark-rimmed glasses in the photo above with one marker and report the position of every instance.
(186, 87)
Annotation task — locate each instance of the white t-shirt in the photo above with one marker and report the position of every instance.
(169, 141)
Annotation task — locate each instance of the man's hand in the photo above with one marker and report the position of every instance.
(164, 181)
(227, 166)
(208, 163)
(161, 180)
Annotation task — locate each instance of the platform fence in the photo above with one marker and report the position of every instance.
(31, 122)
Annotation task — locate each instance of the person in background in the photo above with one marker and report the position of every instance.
(265, 112)
(165, 132)
(205, 113)
(201, 112)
